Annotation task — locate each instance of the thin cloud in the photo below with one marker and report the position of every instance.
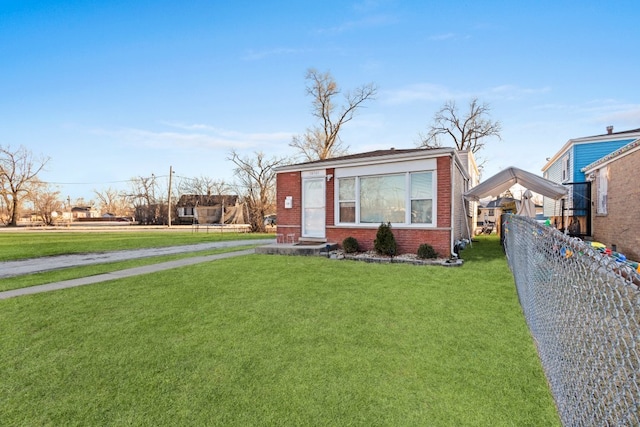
(197, 136)
(600, 110)
(373, 21)
(514, 92)
(616, 113)
(418, 92)
(433, 92)
(257, 55)
(446, 36)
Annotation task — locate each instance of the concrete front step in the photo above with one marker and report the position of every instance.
(301, 248)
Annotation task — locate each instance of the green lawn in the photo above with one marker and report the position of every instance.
(27, 280)
(22, 245)
(277, 340)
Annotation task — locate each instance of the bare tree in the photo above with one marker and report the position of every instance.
(256, 184)
(322, 141)
(46, 202)
(203, 185)
(468, 132)
(143, 198)
(18, 172)
(113, 201)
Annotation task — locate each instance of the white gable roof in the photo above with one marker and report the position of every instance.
(505, 179)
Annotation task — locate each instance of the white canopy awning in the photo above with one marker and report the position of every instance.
(505, 179)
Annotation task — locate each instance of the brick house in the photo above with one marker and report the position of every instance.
(616, 199)
(419, 191)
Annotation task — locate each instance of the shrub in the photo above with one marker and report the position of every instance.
(425, 251)
(385, 242)
(350, 245)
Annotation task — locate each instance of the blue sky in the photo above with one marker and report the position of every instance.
(111, 90)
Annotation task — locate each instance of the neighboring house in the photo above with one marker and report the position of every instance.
(82, 212)
(209, 209)
(491, 211)
(419, 191)
(616, 222)
(566, 167)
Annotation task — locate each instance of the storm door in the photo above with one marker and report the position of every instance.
(313, 207)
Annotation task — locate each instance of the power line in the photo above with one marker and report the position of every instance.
(104, 182)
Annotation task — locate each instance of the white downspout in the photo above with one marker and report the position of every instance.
(453, 211)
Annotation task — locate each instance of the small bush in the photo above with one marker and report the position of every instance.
(426, 251)
(385, 243)
(350, 245)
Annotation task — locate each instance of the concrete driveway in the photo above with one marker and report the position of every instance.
(37, 265)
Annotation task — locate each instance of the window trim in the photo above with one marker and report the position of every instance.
(407, 200)
(566, 168)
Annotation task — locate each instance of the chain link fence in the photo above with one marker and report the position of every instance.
(583, 310)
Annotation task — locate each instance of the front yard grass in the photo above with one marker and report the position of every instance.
(32, 244)
(27, 280)
(278, 340)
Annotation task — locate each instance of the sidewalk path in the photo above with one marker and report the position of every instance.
(37, 265)
(120, 274)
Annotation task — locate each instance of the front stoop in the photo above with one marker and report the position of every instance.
(304, 248)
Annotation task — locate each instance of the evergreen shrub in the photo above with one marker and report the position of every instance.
(426, 251)
(350, 245)
(385, 242)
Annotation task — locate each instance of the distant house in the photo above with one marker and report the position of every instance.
(84, 212)
(209, 209)
(566, 167)
(418, 191)
(490, 212)
(616, 222)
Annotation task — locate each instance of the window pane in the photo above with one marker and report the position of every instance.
(313, 193)
(422, 211)
(347, 211)
(347, 188)
(382, 199)
(421, 186)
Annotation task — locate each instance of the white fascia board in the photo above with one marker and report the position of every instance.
(373, 160)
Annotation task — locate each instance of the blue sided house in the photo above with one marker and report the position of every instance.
(565, 167)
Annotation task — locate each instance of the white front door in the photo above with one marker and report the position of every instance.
(313, 207)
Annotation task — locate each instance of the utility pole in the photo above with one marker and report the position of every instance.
(70, 211)
(169, 198)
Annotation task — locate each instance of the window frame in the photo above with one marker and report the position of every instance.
(566, 168)
(407, 199)
(340, 201)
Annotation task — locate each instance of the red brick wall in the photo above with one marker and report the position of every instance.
(444, 191)
(289, 220)
(408, 239)
(621, 225)
(329, 208)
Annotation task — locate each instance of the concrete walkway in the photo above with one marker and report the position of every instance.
(36, 265)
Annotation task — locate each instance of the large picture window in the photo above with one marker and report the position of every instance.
(382, 199)
(401, 198)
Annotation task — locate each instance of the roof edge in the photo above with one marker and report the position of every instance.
(620, 152)
(588, 139)
(369, 158)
